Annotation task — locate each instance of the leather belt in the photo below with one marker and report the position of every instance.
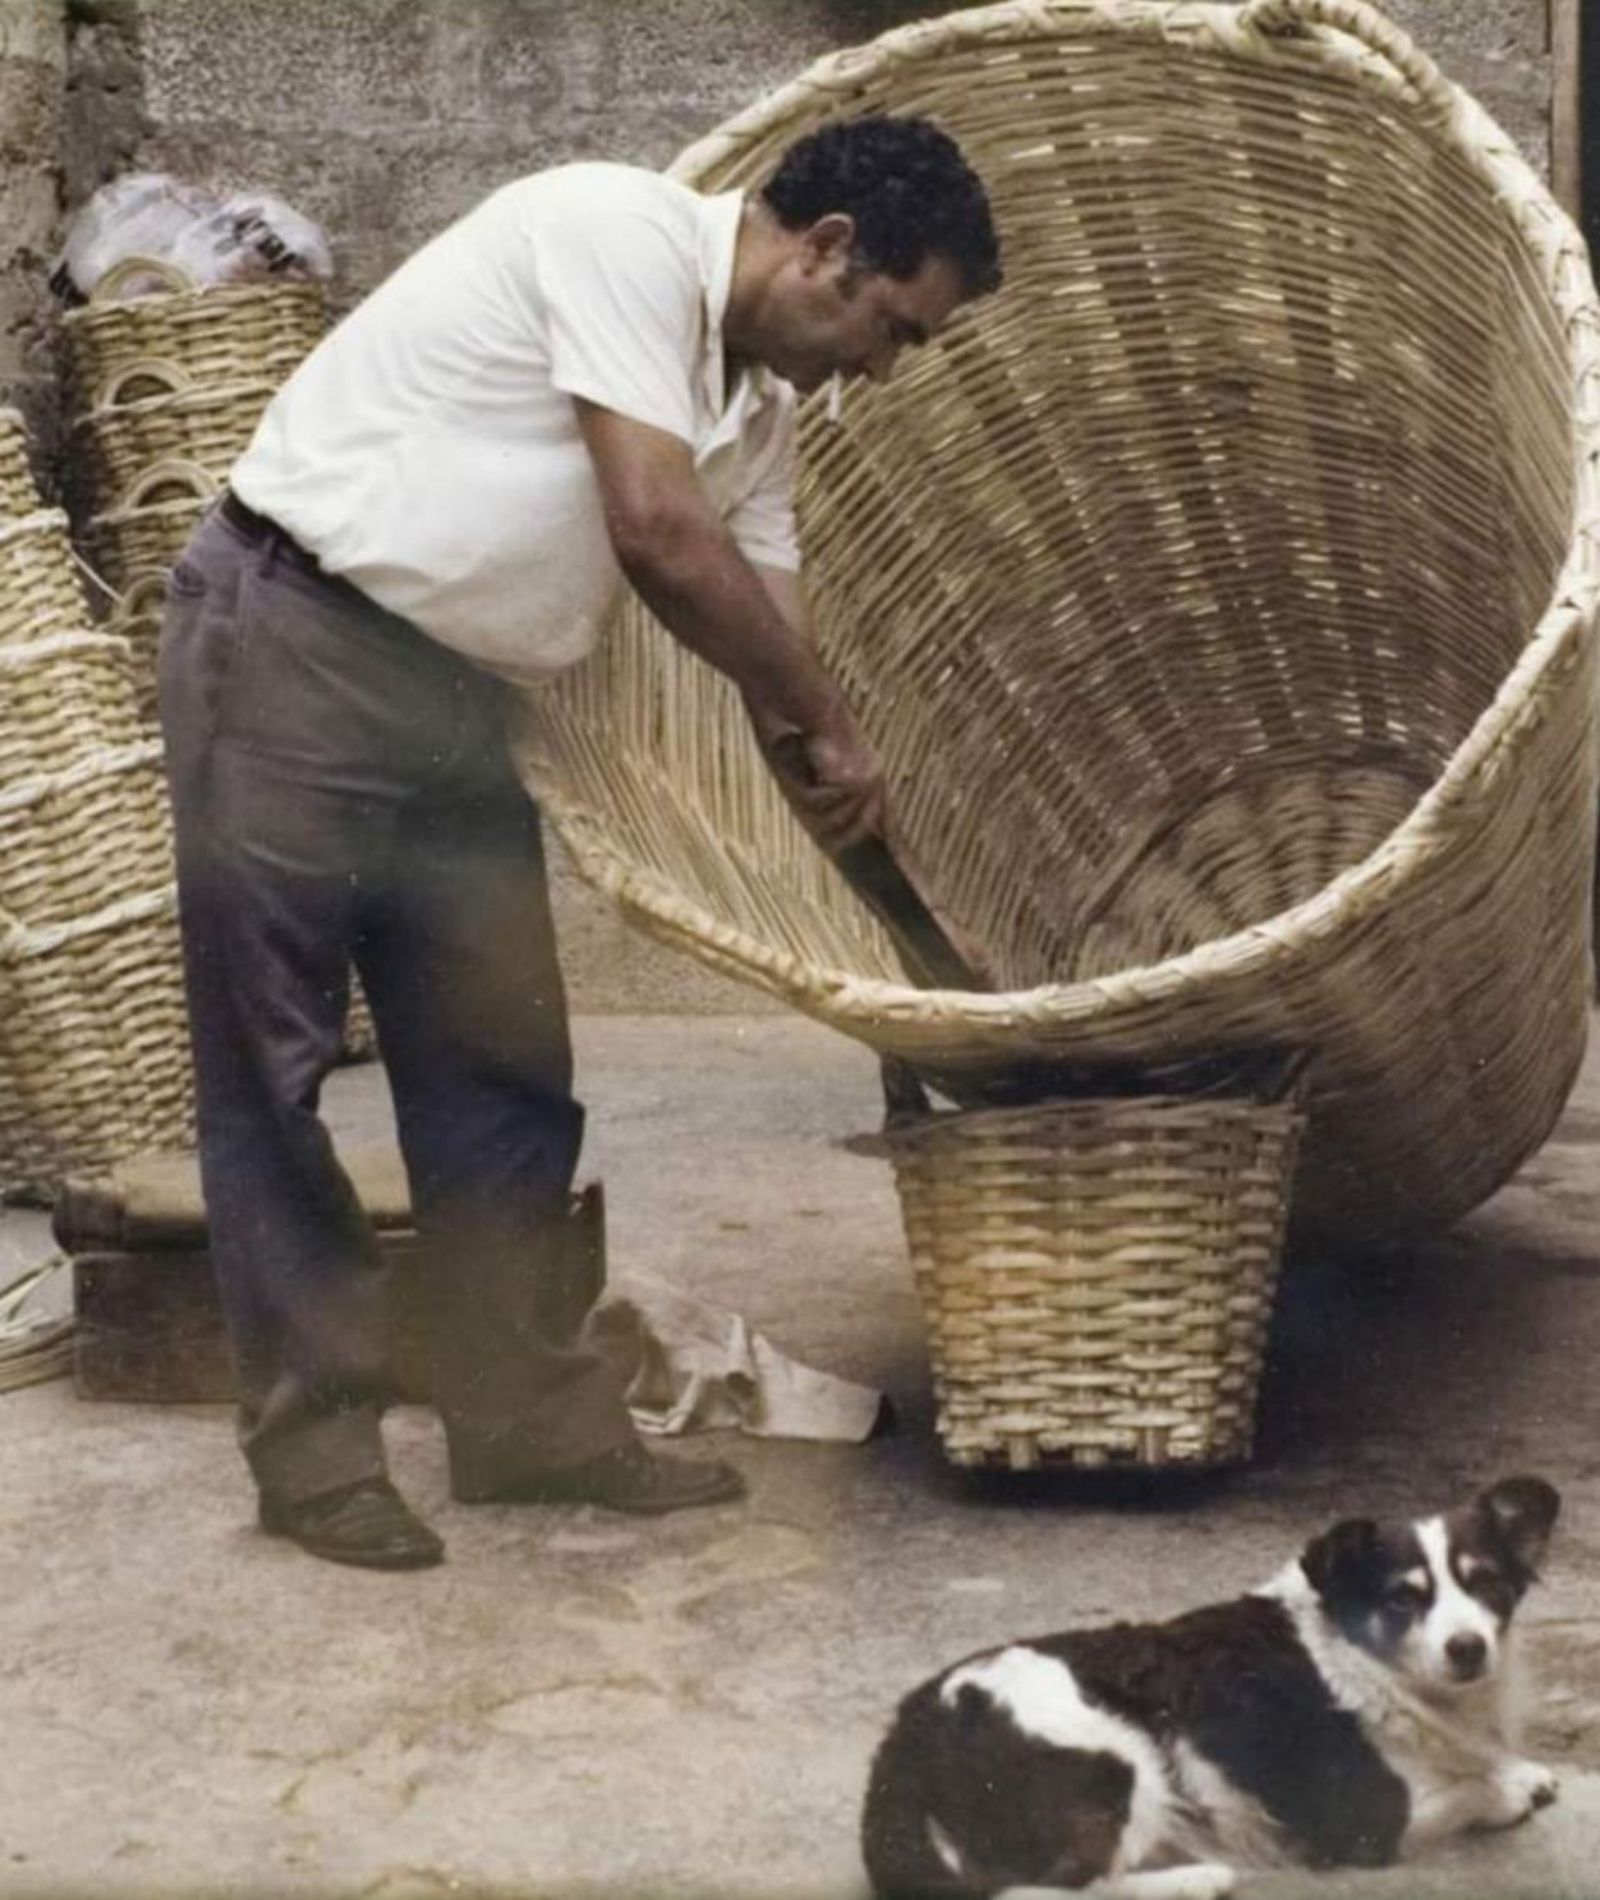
(262, 531)
(252, 526)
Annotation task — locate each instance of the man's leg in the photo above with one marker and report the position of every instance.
(459, 962)
(271, 847)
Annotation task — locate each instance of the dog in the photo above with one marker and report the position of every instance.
(1358, 1707)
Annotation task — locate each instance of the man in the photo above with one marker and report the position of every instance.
(589, 377)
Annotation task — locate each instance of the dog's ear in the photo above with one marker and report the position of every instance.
(1521, 1513)
(1342, 1561)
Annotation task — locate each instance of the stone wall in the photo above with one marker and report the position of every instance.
(383, 119)
(33, 69)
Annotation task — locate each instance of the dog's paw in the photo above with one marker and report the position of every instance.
(1200, 1880)
(1522, 1788)
(1205, 1880)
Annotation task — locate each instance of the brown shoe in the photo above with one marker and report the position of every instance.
(367, 1524)
(628, 1478)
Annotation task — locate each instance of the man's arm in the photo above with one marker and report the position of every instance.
(690, 572)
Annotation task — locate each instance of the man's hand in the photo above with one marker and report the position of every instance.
(830, 776)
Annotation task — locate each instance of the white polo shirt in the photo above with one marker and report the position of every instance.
(428, 449)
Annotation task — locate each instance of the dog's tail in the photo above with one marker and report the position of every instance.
(898, 1845)
(947, 1818)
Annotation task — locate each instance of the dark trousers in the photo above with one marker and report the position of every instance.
(342, 793)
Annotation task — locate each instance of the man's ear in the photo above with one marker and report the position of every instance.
(1339, 1561)
(1521, 1513)
(830, 240)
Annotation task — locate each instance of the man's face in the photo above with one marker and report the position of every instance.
(827, 314)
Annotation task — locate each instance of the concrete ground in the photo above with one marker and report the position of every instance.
(578, 1705)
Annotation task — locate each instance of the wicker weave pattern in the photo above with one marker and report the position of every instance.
(1221, 597)
(227, 334)
(1097, 1277)
(66, 699)
(18, 495)
(209, 428)
(69, 836)
(132, 544)
(94, 1048)
(94, 1042)
(138, 619)
(40, 593)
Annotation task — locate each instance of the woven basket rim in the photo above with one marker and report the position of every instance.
(1502, 730)
(210, 296)
(1130, 1110)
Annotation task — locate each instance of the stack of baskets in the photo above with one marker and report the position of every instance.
(1222, 602)
(170, 389)
(94, 1054)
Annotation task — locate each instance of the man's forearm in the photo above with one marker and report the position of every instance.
(694, 578)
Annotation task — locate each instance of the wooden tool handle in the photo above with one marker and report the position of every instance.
(890, 891)
(882, 883)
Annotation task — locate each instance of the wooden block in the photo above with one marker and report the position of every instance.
(150, 1325)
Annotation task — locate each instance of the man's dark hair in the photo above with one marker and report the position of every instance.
(906, 185)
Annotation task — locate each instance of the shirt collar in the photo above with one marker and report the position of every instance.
(719, 236)
(720, 218)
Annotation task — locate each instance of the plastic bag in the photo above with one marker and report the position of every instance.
(141, 215)
(191, 230)
(251, 235)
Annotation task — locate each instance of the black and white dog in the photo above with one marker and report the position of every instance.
(1357, 1707)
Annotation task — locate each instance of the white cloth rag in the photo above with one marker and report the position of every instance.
(696, 1366)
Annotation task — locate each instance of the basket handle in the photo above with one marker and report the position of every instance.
(1366, 24)
(136, 265)
(145, 594)
(198, 482)
(160, 368)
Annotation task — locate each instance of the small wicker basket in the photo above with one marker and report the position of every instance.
(207, 428)
(147, 530)
(1097, 1275)
(229, 333)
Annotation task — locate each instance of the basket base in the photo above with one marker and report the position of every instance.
(1150, 1450)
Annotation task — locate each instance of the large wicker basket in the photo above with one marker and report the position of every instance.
(1097, 1276)
(1221, 596)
